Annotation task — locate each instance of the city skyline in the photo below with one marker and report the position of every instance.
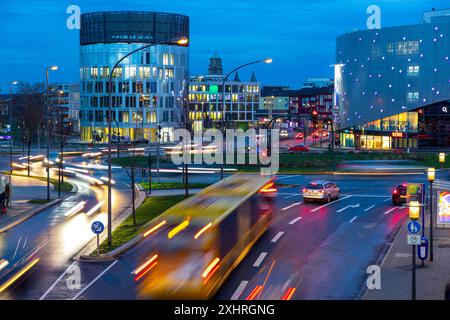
(254, 28)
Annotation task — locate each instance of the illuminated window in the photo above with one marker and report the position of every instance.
(407, 47)
(94, 72)
(413, 70)
(412, 96)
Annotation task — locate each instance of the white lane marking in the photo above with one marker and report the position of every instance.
(17, 247)
(365, 195)
(56, 282)
(330, 203)
(239, 290)
(369, 208)
(350, 206)
(70, 198)
(295, 220)
(25, 242)
(390, 210)
(291, 196)
(93, 281)
(287, 177)
(277, 237)
(388, 199)
(354, 218)
(291, 206)
(260, 259)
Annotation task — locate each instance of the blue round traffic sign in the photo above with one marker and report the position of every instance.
(97, 227)
(414, 227)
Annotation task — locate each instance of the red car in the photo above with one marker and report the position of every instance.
(299, 135)
(299, 148)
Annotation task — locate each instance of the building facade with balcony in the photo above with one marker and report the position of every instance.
(393, 85)
(148, 87)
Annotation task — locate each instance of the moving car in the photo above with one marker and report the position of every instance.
(399, 195)
(321, 190)
(299, 135)
(299, 148)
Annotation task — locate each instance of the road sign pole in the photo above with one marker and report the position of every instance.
(413, 283)
(98, 245)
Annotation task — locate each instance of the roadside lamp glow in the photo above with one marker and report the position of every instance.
(183, 41)
(431, 173)
(53, 68)
(414, 210)
(441, 158)
(268, 60)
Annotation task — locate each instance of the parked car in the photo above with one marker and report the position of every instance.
(321, 190)
(399, 195)
(299, 148)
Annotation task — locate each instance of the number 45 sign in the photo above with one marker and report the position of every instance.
(414, 192)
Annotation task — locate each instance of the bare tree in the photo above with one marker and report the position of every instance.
(29, 110)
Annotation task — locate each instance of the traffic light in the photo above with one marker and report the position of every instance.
(314, 116)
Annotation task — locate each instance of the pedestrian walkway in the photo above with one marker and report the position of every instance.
(396, 270)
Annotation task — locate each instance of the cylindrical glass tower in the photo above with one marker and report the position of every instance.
(147, 87)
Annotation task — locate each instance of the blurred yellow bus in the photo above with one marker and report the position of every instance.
(199, 241)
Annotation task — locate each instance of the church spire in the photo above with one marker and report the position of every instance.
(253, 79)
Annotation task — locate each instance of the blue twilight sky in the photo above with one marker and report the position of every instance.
(298, 34)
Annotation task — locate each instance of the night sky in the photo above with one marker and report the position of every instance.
(298, 34)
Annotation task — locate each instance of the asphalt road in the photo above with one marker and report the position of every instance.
(320, 250)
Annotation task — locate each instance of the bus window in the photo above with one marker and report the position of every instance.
(228, 230)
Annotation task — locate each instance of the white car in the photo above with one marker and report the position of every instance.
(321, 190)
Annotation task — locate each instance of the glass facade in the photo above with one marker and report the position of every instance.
(384, 76)
(147, 89)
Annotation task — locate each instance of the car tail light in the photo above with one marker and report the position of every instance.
(304, 190)
(395, 191)
(268, 188)
(323, 191)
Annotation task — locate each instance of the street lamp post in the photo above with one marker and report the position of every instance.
(180, 41)
(431, 174)
(414, 214)
(442, 159)
(12, 83)
(52, 68)
(267, 61)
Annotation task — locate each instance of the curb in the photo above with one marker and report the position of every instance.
(30, 215)
(88, 249)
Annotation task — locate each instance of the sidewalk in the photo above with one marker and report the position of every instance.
(24, 190)
(396, 269)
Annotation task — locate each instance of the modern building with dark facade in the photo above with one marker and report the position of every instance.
(392, 85)
(148, 87)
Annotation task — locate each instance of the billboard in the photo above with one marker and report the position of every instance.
(443, 207)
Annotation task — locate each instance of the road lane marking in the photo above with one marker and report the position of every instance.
(260, 259)
(390, 210)
(93, 281)
(291, 206)
(25, 243)
(388, 199)
(330, 203)
(277, 237)
(291, 196)
(295, 220)
(240, 289)
(17, 247)
(350, 206)
(56, 282)
(369, 208)
(354, 218)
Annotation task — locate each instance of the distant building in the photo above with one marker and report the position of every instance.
(274, 102)
(65, 103)
(215, 66)
(242, 99)
(317, 82)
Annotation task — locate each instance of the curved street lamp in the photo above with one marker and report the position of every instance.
(47, 69)
(266, 61)
(11, 84)
(182, 41)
